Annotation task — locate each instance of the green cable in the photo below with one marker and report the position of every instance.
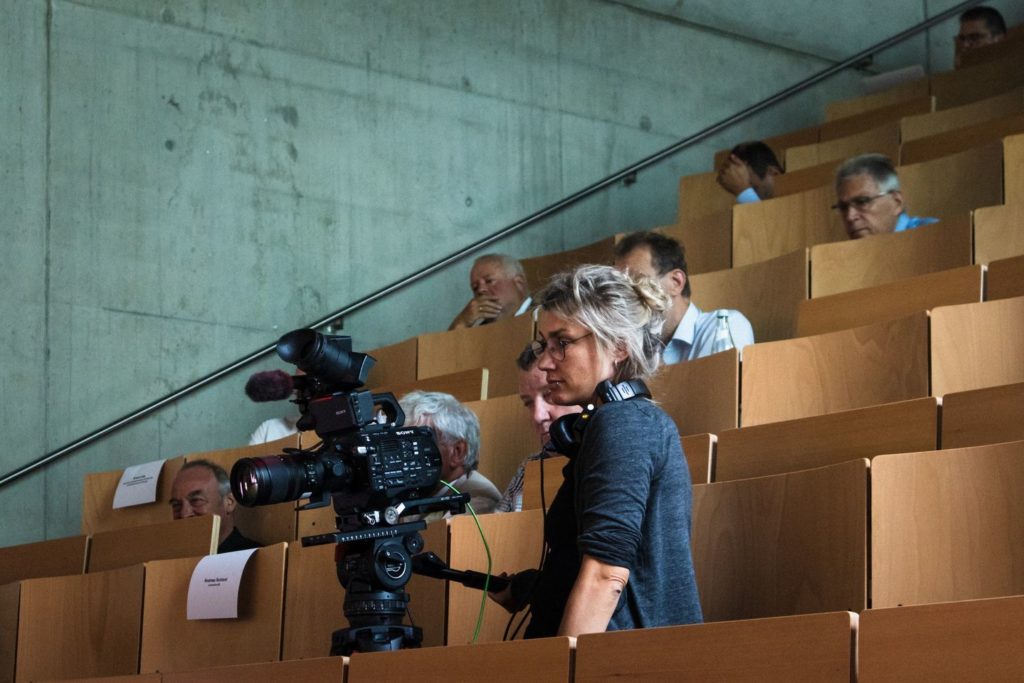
(487, 548)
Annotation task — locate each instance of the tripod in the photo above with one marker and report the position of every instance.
(374, 563)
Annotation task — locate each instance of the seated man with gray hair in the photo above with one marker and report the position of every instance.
(499, 291)
(457, 432)
(203, 488)
(869, 200)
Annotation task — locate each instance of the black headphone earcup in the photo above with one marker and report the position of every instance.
(564, 436)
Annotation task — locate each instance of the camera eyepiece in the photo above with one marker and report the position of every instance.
(328, 358)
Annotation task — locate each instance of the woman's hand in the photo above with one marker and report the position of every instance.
(504, 597)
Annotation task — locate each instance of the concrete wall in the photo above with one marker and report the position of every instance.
(184, 181)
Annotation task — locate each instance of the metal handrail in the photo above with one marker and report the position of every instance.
(499, 235)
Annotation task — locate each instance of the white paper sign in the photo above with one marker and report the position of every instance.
(213, 590)
(138, 484)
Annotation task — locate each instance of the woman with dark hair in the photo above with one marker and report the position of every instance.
(618, 531)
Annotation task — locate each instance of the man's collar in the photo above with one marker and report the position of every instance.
(687, 326)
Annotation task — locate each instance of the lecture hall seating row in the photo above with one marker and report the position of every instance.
(970, 640)
(772, 546)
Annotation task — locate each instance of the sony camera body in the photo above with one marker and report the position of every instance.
(367, 460)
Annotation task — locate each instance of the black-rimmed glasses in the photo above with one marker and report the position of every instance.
(860, 203)
(557, 350)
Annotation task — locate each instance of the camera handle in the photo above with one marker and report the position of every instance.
(429, 564)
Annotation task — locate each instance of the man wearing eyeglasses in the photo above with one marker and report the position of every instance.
(869, 199)
(979, 26)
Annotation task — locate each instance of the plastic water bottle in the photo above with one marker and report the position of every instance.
(723, 335)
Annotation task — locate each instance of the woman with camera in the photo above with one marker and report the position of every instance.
(618, 531)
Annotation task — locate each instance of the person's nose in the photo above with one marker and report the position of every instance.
(541, 417)
(187, 511)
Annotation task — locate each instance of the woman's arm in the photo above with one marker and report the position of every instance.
(593, 598)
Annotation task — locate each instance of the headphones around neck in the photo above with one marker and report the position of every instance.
(566, 432)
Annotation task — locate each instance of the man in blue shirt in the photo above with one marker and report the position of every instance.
(750, 171)
(869, 200)
(688, 332)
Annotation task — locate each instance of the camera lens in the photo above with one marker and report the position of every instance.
(272, 479)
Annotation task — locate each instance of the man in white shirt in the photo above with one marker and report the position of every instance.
(688, 333)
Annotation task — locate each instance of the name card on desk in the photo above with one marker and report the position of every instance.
(138, 484)
(213, 590)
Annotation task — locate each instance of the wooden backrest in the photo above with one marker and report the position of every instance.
(98, 513)
(316, 669)
(951, 142)
(493, 346)
(313, 601)
(700, 195)
(893, 300)
(507, 436)
(970, 84)
(267, 524)
(955, 183)
(540, 268)
(786, 544)
(545, 660)
(768, 293)
(170, 642)
(315, 522)
(1006, 278)
(85, 625)
(464, 385)
(58, 557)
(945, 525)
(811, 647)
(988, 109)
(983, 416)
(764, 230)
(969, 640)
(190, 537)
(675, 386)
(811, 177)
(778, 143)
(904, 92)
(826, 373)
(977, 345)
(1013, 165)
(880, 259)
(792, 445)
(998, 232)
(396, 364)
(10, 597)
(884, 136)
(515, 540)
(707, 240)
(699, 450)
(841, 128)
(550, 471)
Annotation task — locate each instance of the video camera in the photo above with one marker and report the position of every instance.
(376, 471)
(367, 462)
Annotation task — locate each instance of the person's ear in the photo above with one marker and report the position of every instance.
(520, 281)
(458, 453)
(898, 197)
(674, 282)
(230, 503)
